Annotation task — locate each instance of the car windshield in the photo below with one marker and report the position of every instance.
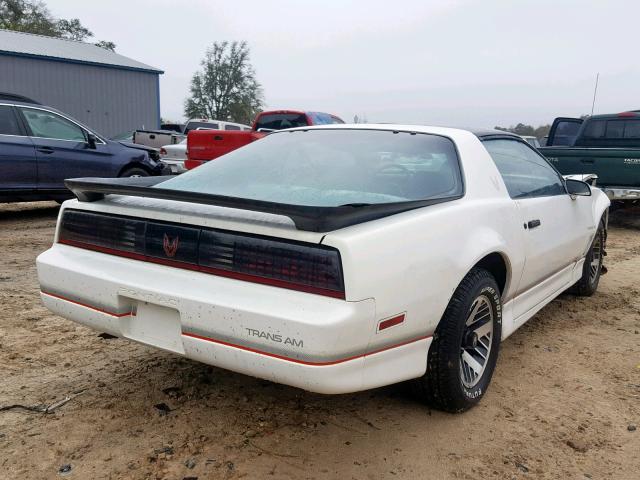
(332, 167)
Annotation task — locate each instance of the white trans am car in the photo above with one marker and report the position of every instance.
(334, 259)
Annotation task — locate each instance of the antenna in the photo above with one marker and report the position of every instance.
(595, 91)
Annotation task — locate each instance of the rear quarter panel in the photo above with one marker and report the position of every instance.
(413, 262)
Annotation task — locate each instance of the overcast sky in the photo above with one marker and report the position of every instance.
(466, 63)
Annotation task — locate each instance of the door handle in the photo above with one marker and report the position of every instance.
(218, 137)
(587, 160)
(45, 149)
(533, 223)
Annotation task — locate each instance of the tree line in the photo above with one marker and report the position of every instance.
(31, 16)
(527, 130)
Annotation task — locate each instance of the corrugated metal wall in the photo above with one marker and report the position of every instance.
(106, 99)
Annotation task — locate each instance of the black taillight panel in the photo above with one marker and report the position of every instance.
(288, 264)
(174, 242)
(109, 232)
(314, 266)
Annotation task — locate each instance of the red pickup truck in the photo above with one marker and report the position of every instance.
(205, 145)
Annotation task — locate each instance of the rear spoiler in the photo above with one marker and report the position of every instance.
(307, 218)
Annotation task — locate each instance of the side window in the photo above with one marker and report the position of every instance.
(594, 129)
(232, 127)
(632, 129)
(8, 121)
(615, 129)
(525, 173)
(49, 125)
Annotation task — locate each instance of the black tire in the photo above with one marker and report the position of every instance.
(134, 172)
(446, 385)
(592, 268)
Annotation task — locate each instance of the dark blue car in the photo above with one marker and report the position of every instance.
(40, 147)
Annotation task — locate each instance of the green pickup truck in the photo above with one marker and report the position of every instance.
(605, 145)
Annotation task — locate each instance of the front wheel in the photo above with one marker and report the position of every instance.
(134, 172)
(465, 346)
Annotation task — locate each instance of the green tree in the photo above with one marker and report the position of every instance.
(32, 16)
(226, 87)
(529, 130)
(108, 45)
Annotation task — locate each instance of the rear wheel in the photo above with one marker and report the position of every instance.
(592, 268)
(465, 346)
(134, 172)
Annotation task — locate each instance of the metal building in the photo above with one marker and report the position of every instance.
(104, 90)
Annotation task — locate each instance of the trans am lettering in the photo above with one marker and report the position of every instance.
(275, 337)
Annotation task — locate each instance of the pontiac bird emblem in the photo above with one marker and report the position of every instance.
(170, 246)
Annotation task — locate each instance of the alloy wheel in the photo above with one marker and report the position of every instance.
(476, 341)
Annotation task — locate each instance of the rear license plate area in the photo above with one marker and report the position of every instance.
(155, 325)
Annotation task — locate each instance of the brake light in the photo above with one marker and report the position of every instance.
(317, 267)
(163, 151)
(281, 263)
(628, 114)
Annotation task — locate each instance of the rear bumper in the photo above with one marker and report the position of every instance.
(622, 193)
(308, 341)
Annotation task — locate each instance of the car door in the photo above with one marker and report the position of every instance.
(558, 227)
(17, 154)
(62, 149)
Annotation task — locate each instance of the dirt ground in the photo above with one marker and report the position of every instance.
(563, 403)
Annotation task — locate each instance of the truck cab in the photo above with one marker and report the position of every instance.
(605, 145)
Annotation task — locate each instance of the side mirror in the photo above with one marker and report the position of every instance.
(578, 188)
(91, 141)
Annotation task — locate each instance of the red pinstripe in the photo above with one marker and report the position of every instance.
(242, 347)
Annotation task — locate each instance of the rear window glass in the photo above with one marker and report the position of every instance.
(615, 129)
(332, 168)
(632, 129)
(594, 129)
(280, 121)
(231, 127)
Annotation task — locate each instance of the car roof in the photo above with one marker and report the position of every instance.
(482, 134)
(621, 115)
(12, 97)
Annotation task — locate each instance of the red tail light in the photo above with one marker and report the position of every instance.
(281, 263)
(163, 151)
